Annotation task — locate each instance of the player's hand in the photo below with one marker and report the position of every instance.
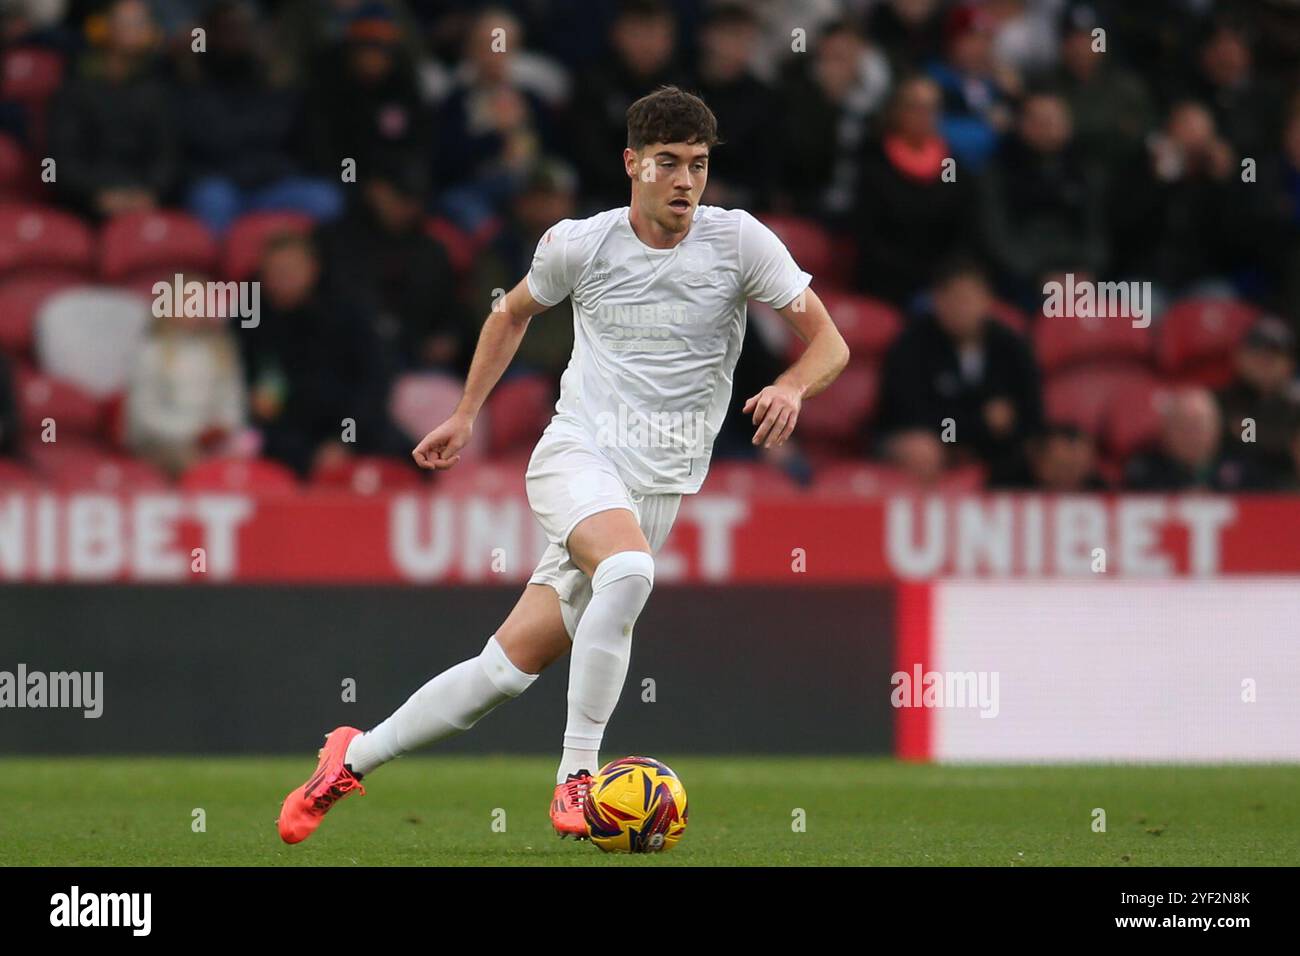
(776, 409)
(437, 451)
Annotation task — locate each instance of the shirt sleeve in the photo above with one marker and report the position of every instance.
(771, 275)
(551, 278)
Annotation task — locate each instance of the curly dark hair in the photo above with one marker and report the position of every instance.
(670, 115)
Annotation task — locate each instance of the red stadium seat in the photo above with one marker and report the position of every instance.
(1083, 396)
(747, 478)
(14, 172)
(260, 475)
(840, 413)
(1061, 342)
(1134, 415)
(31, 74)
(1197, 338)
(20, 302)
(460, 246)
(421, 401)
(807, 241)
(1010, 316)
(248, 236)
(73, 411)
(859, 478)
(844, 264)
(868, 325)
(158, 244)
(82, 465)
(43, 241)
(368, 475)
(519, 409)
(17, 477)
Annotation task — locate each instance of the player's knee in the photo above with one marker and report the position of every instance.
(504, 674)
(624, 565)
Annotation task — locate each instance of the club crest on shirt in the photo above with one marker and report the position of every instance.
(601, 269)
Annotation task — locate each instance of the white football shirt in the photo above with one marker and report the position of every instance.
(657, 333)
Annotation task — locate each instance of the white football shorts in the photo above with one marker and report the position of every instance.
(568, 479)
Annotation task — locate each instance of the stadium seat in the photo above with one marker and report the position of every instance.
(844, 264)
(249, 234)
(1061, 342)
(807, 241)
(78, 464)
(43, 241)
(519, 409)
(868, 479)
(460, 246)
(14, 172)
(73, 410)
(1133, 415)
(90, 337)
(868, 325)
(20, 302)
(15, 476)
(421, 401)
(141, 245)
(31, 74)
(1010, 316)
(259, 475)
(1197, 337)
(840, 413)
(368, 475)
(747, 478)
(1082, 396)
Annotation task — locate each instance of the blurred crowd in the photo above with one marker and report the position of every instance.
(949, 157)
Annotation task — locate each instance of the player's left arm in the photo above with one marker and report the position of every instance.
(776, 408)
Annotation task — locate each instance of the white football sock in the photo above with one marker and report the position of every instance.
(450, 703)
(602, 648)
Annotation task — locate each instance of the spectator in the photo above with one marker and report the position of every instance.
(365, 102)
(490, 129)
(1188, 456)
(110, 130)
(1112, 108)
(828, 100)
(978, 92)
(1039, 205)
(313, 365)
(1264, 392)
(744, 174)
(643, 38)
(185, 397)
(1172, 211)
(908, 213)
(960, 375)
(241, 158)
(549, 195)
(1244, 107)
(910, 32)
(1061, 459)
(10, 420)
(380, 253)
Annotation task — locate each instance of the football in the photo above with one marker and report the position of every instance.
(636, 805)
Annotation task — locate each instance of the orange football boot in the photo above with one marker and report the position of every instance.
(305, 807)
(567, 809)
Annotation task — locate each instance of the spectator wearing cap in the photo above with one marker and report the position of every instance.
(643, 48)
(549, 194)
(1060, 459)
(381, 256)
(829, 98)
(365, 101)
(744, 173)
(907, 215)
(1189, 454)
(237, 130)
(490, 128)
(110, 125)
(1039, 202)
(958, 371)
(978, 91)
(1112, 108)
(1263, 402)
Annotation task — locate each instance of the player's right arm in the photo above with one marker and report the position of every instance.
(497, 343)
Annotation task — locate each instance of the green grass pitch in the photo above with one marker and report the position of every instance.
(440, 811)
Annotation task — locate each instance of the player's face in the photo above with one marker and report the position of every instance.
(667, 181)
